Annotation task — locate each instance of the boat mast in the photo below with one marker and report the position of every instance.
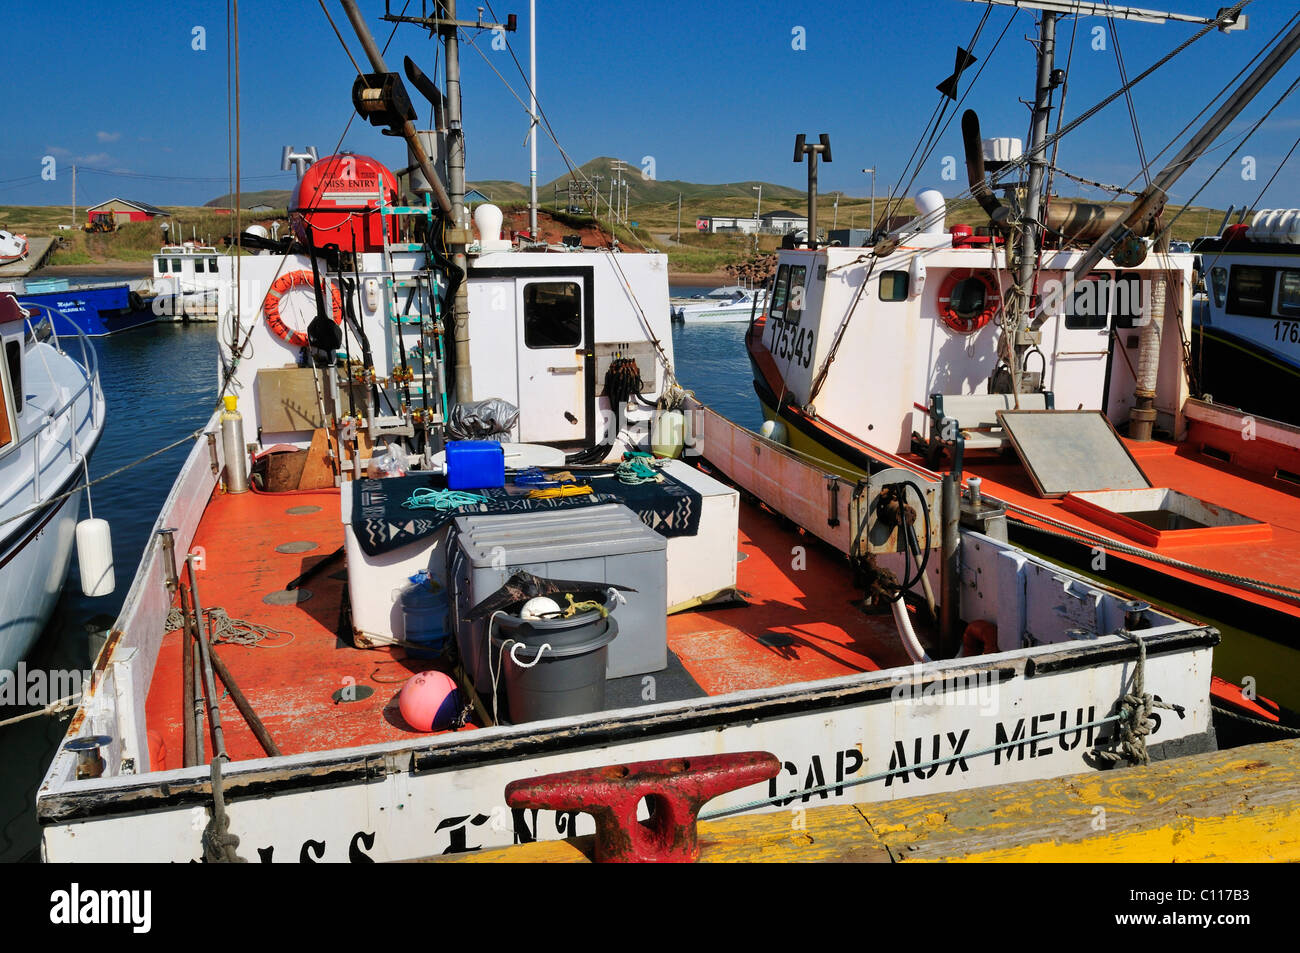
(452, 202)
(1031, 228)
(1024, 324)
(532, 112)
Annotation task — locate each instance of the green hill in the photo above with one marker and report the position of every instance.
(276, 198)
(647, 191)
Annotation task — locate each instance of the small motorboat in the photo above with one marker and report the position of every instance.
(12, 247)
(731, 303)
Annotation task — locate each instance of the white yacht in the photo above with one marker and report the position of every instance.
(720, 306)
(51, 417)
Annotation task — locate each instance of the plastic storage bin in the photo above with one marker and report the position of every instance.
(597, 544)
(475, 464)
(561, 664)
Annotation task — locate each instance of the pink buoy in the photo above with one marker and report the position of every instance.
(429, 701)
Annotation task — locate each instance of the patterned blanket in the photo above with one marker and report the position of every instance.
(382, 523)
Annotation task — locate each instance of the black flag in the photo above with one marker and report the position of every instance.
(964, 61)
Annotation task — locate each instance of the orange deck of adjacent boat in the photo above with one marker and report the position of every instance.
(1184, 468)
(1256, 492)
(291, 683)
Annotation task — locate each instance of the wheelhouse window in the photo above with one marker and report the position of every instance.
(198, 265)
(14, 357)
(176, 264)
(160, 266)
(212, 265)
(552, 314)
(1089, 308)
(1131, 300)
(893, 286)
(1288, 294)
(798, 284)
(1250, 290)
(780, 292)
(1219, 286)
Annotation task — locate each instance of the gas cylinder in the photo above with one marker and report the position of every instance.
(232, 445)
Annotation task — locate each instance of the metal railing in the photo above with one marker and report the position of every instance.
(40, 332)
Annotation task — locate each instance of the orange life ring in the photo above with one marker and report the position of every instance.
(271, 305)
(980, 638)
(969, 323)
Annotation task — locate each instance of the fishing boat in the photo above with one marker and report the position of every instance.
(12, 247)
(729, 304)
(1050, 367)
(1246, 332)
(94, 308)
(191, 282)
(51, 418)
(366, 717)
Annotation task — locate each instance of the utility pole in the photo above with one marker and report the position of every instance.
(679, 216)
(532, 129)
(617, 182)
(872, 170)
(835, 221)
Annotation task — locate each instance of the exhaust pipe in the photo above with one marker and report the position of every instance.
(975, 174)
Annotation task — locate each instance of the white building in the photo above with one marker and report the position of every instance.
(779, 222)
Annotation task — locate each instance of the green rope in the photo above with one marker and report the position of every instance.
(636, 471)
(442, 500)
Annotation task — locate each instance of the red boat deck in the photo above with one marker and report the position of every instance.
(291, 683)
(1258, 493)
(1182, 467)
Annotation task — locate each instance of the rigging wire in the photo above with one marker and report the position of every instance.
(896, 195)
(1128, 97)
(239, 353)
(1087, 114)
(1244, 139)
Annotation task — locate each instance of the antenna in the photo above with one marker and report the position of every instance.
(301, 160)
(821, 148)
(1227, 20)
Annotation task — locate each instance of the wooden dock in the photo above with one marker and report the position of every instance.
(38, 250)
(1228, 806)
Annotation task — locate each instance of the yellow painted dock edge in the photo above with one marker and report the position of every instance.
(1236, 805)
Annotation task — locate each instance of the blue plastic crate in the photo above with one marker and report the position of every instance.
(475, 464)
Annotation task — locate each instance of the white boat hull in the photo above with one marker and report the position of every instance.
(446, 794)
(32, 571)
(432, 795)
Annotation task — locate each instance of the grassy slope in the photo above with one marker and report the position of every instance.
(697, 253)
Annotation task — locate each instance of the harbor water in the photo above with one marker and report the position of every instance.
(159, 384)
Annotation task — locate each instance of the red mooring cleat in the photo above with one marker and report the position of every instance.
(676, 789)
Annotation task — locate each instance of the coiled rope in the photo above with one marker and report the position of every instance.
(1136, 706)
(228, 631)
(636, 471)
(443, 501)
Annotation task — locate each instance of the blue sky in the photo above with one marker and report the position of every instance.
(714, 91)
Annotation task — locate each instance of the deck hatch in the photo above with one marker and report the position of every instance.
(1071, 451)
(1160, 518)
